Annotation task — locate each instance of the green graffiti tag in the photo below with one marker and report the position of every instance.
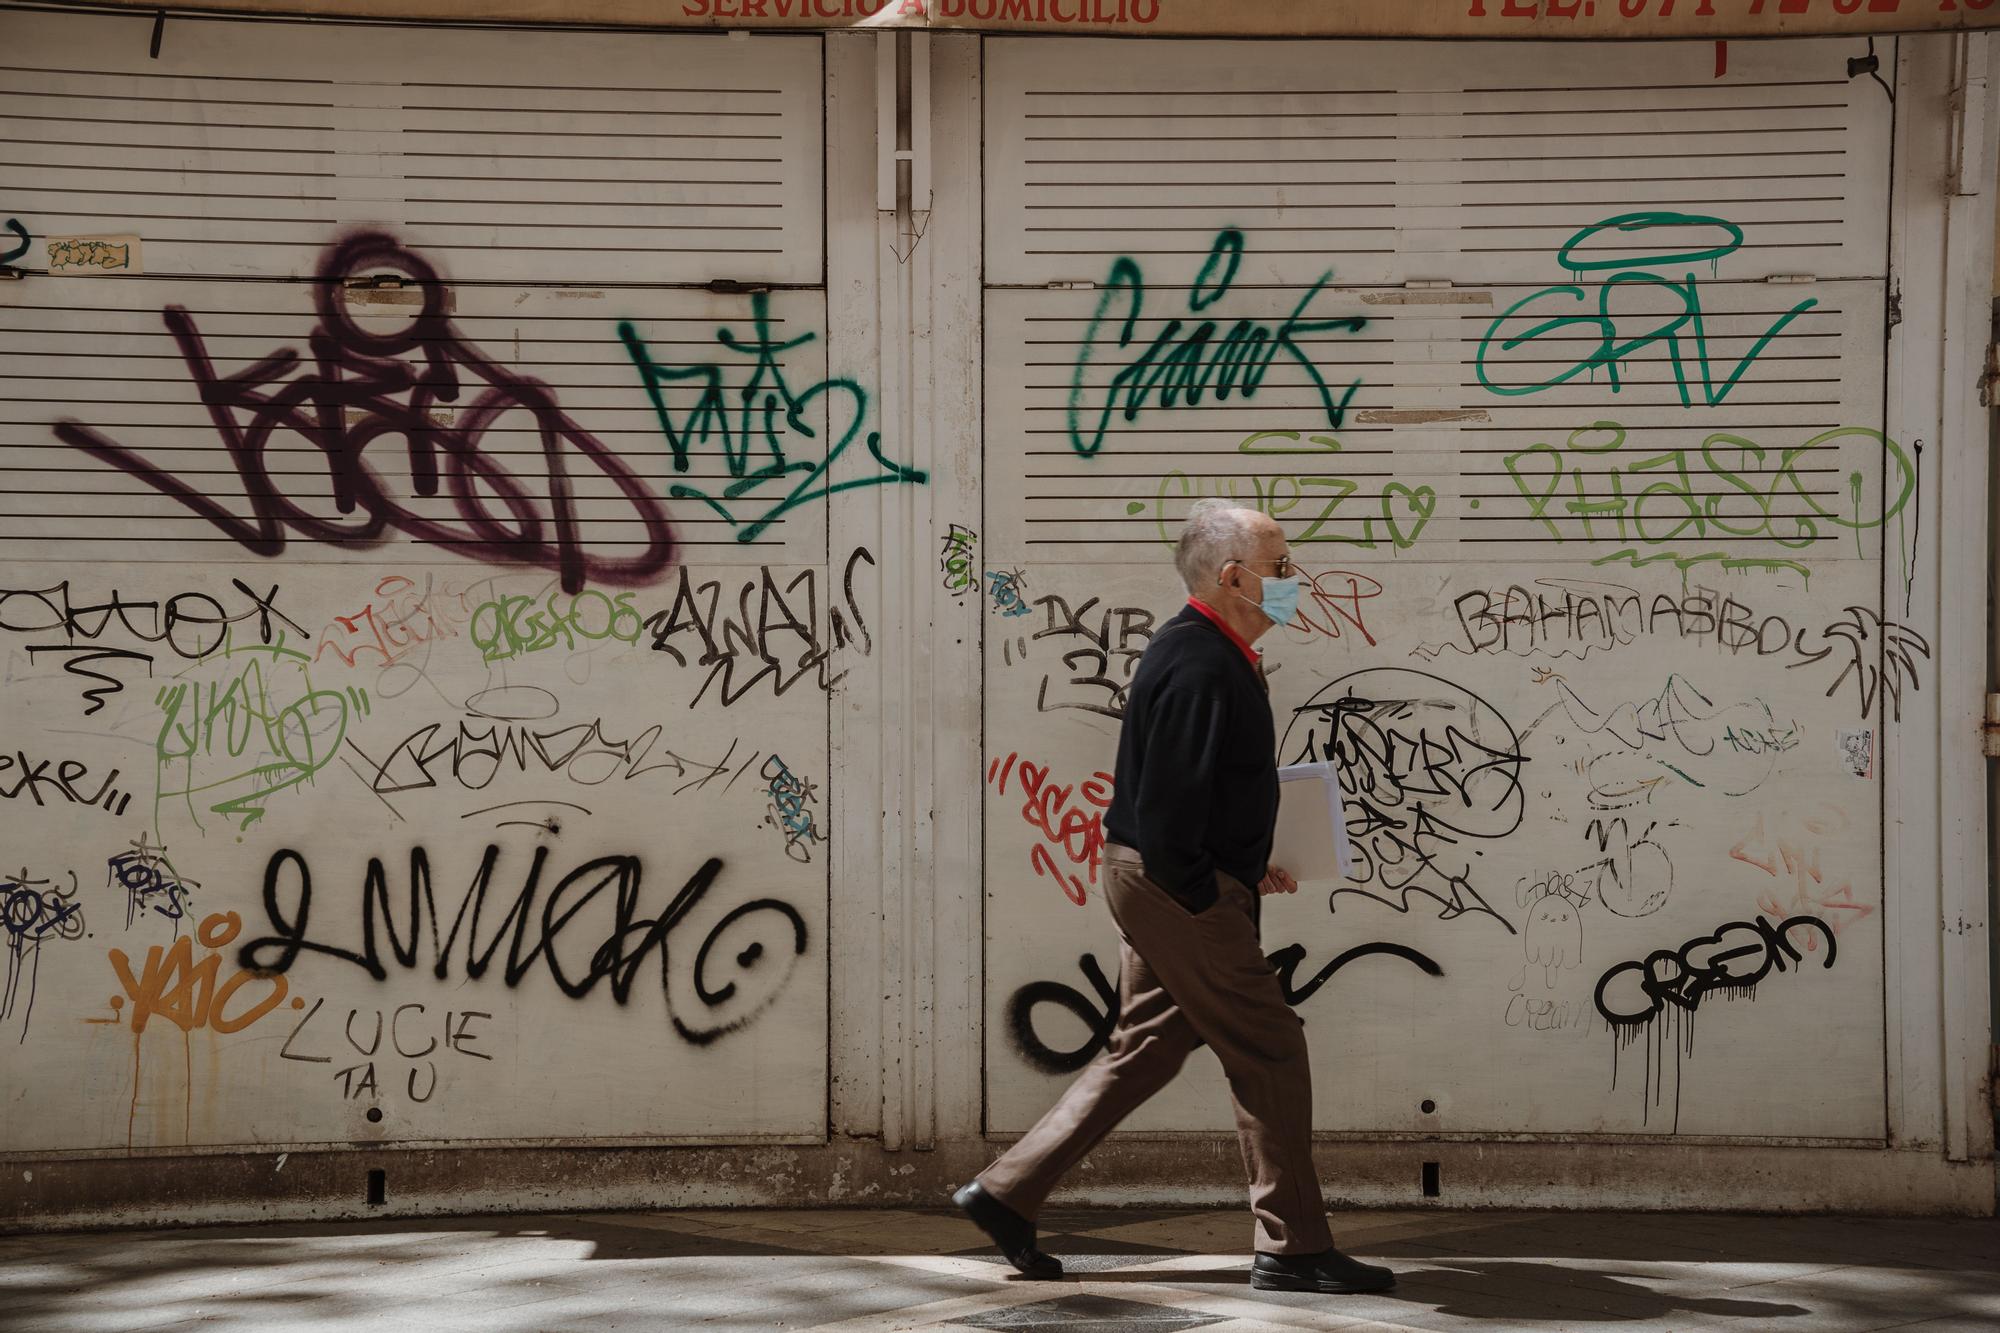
(766, 482)
(1729, 489)
(237, 742)
(1608, 343)
(1396, 513)
(1183, 364)
(512, 625)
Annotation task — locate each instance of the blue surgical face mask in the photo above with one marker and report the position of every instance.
(1281, 599)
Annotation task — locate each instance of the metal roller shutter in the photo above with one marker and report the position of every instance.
(531, 571)
(1563, 369)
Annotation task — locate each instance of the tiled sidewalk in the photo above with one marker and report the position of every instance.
(1153, 1271)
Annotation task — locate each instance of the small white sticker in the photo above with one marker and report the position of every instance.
(1857, 752)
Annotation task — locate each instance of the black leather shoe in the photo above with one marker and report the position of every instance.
(1013, 1233)
(1328, 1271)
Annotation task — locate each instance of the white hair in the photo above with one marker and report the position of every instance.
(1216, 532)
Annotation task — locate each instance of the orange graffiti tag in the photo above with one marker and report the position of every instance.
(185, 992)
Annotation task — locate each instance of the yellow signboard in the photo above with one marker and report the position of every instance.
(1534, 19)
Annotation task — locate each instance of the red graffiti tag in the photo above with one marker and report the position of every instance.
(1077, 831)
(1337, 595)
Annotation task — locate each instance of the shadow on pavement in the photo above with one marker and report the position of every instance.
(800, 1268)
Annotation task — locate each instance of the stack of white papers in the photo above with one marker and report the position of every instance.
(1311, 839)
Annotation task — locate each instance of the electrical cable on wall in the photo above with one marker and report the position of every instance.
(1870, 65)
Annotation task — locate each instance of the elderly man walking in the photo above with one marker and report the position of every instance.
(1190, 828)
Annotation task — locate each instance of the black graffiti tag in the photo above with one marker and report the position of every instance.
(596, 950)
(773, 644)
(1428, 770)
(1103, 659)
(1732, 960)
(32, 911)
(191, 625)
(1100, 1018)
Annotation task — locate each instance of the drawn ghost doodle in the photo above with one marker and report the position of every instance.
(1553, 936)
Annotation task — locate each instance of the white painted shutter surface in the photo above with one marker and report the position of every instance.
(567, 158)
(1554, 763)
(597, 171)
(442, 694)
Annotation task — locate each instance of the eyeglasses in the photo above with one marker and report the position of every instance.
(1283, 565)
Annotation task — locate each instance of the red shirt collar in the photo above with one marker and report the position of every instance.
(1223, 625)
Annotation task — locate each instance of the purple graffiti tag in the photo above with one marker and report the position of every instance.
(363, 384)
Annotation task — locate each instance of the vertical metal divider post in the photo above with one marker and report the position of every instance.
(1933, 799)
(949, 284)
(1965, 527)
(1912, 1052)
(892, 335)
(916, 506)
(858, 967)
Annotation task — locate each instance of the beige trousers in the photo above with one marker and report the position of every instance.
(1186, 979)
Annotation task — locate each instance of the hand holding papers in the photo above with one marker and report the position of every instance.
(1311, 837)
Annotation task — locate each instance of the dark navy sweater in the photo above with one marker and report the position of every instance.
(1197, 779)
